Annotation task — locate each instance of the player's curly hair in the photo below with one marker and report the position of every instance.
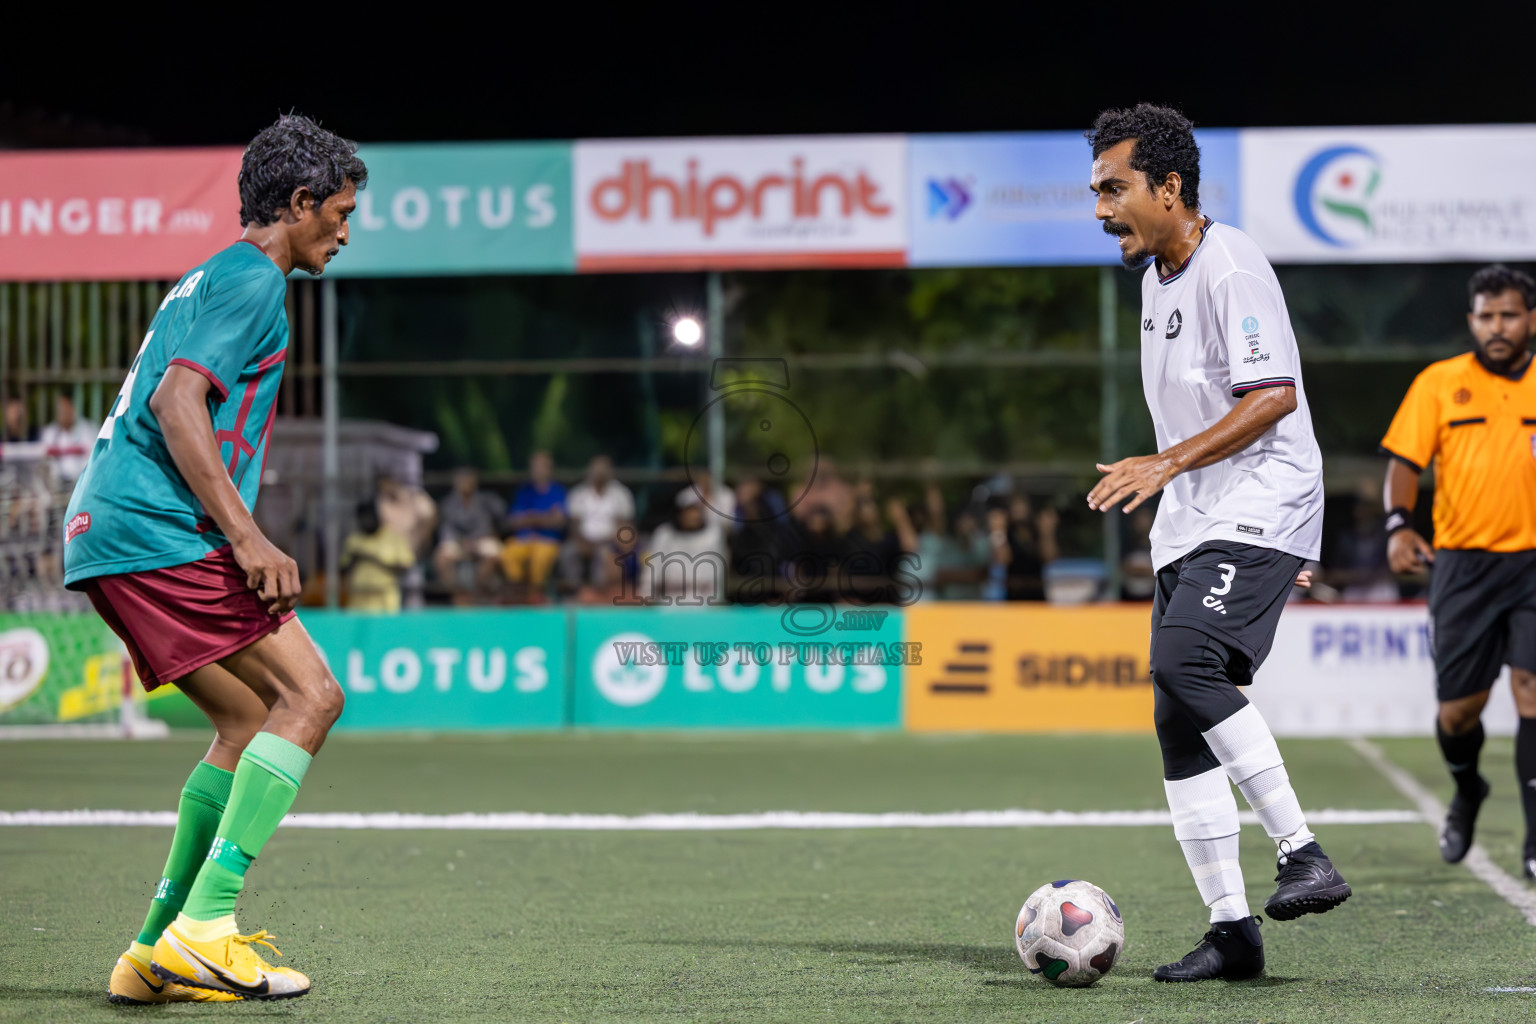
(1165, 143)
(291, 153)
(1496, 279)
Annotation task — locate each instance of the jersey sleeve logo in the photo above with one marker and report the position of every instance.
(78, 525)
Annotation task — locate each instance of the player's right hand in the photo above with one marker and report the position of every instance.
(273, 575)
(1407, 552)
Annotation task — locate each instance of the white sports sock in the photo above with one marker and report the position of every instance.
(1247, 751)
(1205, 824)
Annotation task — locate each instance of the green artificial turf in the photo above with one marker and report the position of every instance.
(896, 925)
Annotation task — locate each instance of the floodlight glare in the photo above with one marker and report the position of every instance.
(687, 331)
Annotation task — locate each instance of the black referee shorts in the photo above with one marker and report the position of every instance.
(1482, 611)
(1229, 591)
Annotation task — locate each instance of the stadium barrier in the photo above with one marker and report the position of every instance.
(1339, 670)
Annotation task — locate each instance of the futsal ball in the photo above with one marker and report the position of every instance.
(1069, 933)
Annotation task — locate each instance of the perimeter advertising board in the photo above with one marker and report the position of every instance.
(474, 208)
(115, 214)
(1375, 195)
(1022, 198)
(1029, 668)
(450, 670)
(1358, 670)
(740, 668)
(647, 204)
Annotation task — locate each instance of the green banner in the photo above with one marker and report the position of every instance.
(58, 668)
(446, 669)
(739, 668)
(470, 208)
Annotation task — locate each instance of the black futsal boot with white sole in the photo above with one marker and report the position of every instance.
(1231, 950)
(1460, 820)
(1308, 883)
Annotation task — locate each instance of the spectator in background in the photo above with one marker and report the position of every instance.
(1032, 538)
(15, 426)
(1138, 576)
(687, 557)
(719, 500)
(537, 522)
(962, 578)
(373, 559)
(1360, 571)
(602, 531)
(872, 550)
(761, 538)
(920, 531)
(410, 512)
(815, 557)
(828, 491)
(467, 539)
(68, 439)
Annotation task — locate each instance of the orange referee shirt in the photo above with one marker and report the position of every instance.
(1482, 429)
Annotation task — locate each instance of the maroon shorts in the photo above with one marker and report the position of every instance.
(179, 619)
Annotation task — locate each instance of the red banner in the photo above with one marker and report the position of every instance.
(115, 215)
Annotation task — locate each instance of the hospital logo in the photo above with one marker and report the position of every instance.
(1334, 195)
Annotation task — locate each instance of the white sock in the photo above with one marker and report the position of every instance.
(1205, 824)
(1246, 749)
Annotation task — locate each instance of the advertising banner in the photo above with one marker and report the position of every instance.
(446, 669)
(753, 668)
(471, 208)
(1358, 671)
(832, 201)
(1022, 198)
(146, 214)
(1377, 195)
(1029, 668)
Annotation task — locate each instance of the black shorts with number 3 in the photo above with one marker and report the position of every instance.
(1230, 591)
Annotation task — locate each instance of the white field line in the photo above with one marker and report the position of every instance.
(1433, 813)
(524, 822)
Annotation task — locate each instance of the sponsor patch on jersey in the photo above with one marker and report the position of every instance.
(1257, 531)
(78, 525)
(1175, 325)
(1462, 396)
(1147, 324)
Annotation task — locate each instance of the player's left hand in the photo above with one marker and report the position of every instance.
(1304, 579)
(1138, 477)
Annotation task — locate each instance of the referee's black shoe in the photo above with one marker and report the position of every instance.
(1308, 883)
(1460, 819)
(1232, 950)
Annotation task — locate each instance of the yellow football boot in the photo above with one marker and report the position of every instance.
(134, 984)
(187, 955)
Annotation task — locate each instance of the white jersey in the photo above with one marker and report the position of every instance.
(1212, 331)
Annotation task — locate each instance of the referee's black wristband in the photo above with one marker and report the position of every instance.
(1399, 519)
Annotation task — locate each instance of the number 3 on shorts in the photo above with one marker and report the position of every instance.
(120, 405)
(1226, 579)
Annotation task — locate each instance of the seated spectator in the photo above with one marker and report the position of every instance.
(409, 511)
(928, 551)
(719, 500)
(965, 570)
(1138, 577)
(15, 427)
(686, 558)
(602, 528)
(828, 491)
(537, 522)
(870, 561)
(761, 538)
(467, 539)
(68, 439)
(1033, 540)
(815, 558)
(373, 559)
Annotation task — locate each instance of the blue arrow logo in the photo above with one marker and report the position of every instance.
(947, 198)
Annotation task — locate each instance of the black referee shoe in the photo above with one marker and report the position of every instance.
(1460, 820)
(1308, 884)
(1233, 950)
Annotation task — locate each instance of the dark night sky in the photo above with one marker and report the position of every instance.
(448, 72)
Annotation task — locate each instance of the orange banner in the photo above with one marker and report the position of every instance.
(1029, 668)
(115, 215)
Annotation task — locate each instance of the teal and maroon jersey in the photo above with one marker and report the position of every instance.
(132, 510)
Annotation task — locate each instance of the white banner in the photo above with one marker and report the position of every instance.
(715, 203)
(1358, 671)
(1377, 195)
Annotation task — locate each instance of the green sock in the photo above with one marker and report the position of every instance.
(266, 782)
(197, 819)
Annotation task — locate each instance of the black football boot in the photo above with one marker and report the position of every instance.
(1308, 884)
(1528, 863)
(1232, 950)
(1460, 819)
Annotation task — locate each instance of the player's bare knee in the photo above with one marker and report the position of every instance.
(1460, 717)
(1523, 684)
